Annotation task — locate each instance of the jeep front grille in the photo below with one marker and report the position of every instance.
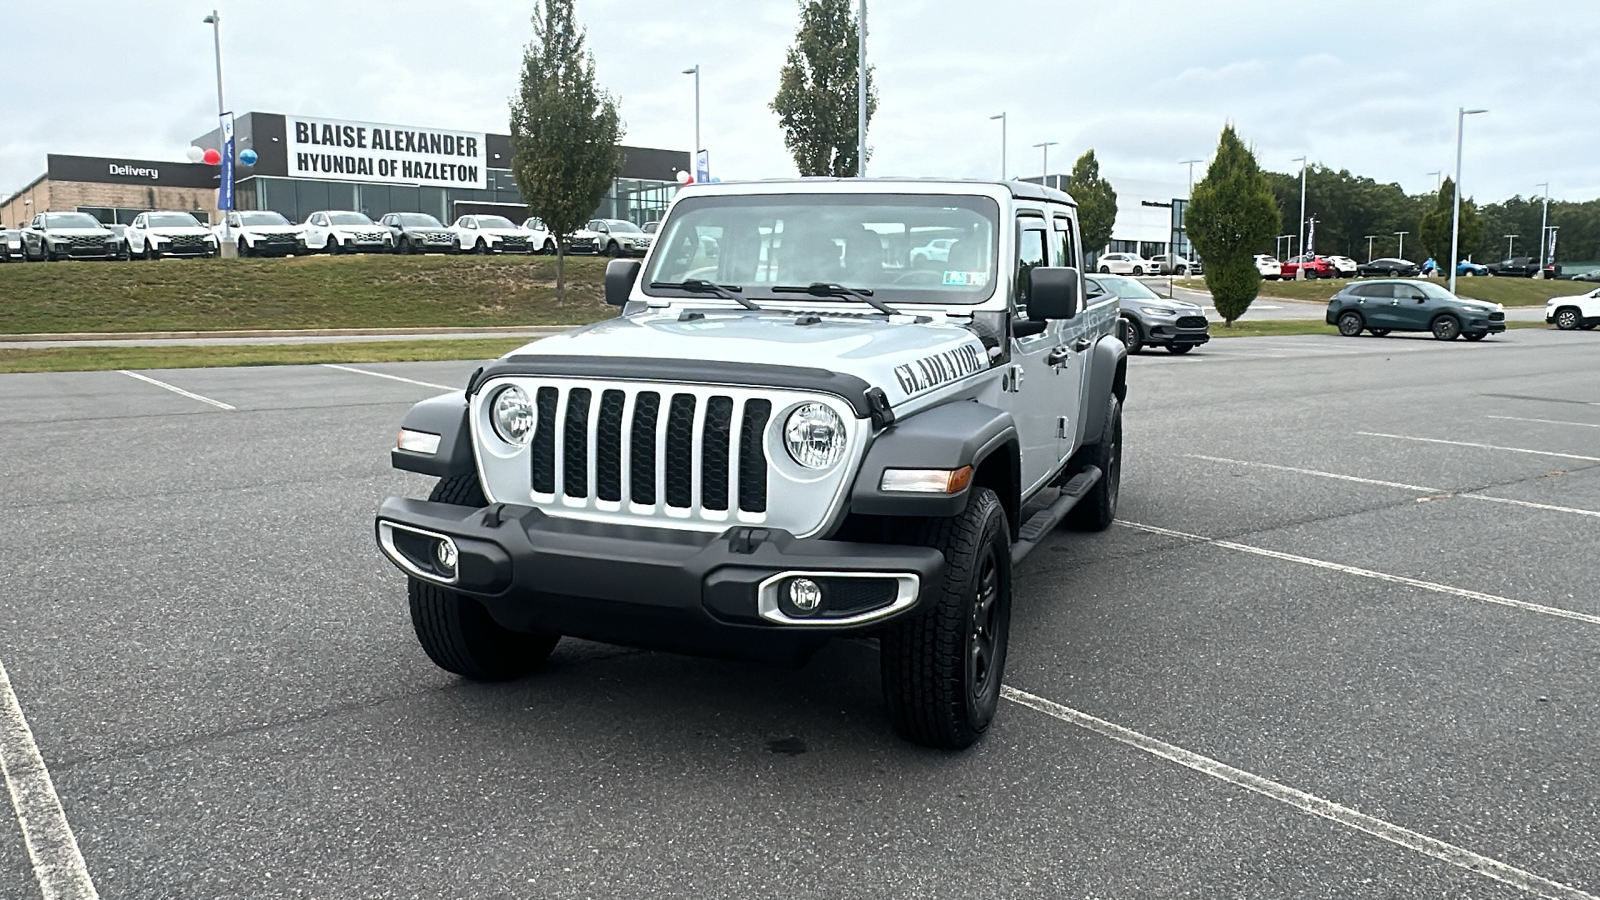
(680, 448)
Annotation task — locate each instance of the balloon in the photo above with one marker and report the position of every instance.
(195, 154)
(248, 157)
(685, 177)
(211, 157)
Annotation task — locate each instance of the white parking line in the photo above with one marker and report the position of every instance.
(426, 384)
(1470, 495)
(1368, 573)
(52, 849)
(1402, 437)
(176, 390)
(1545, 421)
(1311, 804)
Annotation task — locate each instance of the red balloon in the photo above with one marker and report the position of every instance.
(212, 157)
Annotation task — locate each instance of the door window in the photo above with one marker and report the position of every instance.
(1066, 246)
(1032, 252)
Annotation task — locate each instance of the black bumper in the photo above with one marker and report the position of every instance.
(652, 587)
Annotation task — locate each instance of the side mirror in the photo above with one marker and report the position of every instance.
(1053, 293)
(620, 276)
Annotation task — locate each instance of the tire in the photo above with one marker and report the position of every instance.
(456, 632)
(1105, 270)
(549, 247)
(613, 250)
(404, 246)
(1351, 323)
(1379, 332)
(1182, 271)
(481, 248)
(1179, 349)
(942, 667)
(150, 250)
(1138, 271)
(1311, 275)
(244, 249)
(1132, 335)
(1097, 510)
(333, 246)
(1446, 328)
(1568, 319)
(1477, 336)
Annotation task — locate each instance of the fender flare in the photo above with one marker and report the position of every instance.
(944, 437)
(1108, 375)
(446, 416)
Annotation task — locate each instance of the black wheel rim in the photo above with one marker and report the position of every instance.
(985, 623)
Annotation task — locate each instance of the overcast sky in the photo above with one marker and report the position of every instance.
(1368, 86)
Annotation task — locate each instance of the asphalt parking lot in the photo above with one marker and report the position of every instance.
(1343, 643)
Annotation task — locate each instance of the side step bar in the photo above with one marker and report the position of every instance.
(1045, 520)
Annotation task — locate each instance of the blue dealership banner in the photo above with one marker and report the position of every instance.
(702, 167)
(225, 186)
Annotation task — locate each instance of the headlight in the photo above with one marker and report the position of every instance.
(513, 417)
(1159, 311)
(814, 435)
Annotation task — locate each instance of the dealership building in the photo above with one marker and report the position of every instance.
(1150, 216)
(304, 164)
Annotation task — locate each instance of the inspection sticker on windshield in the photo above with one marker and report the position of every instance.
(966, 279)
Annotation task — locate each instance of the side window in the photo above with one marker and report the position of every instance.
(1032, 251)
(1407, 292)
(1066, 245)
(1378, 291)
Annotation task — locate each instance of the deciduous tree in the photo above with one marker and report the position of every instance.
(1097, 202)
(1231, 214)
(565, 129)
(818, 90)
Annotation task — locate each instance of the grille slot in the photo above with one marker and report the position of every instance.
(715, 437)
(752, 458)
(575, 445)
(642, 453)
(679, 473)
(608, 447)
(543, 451)
(1191, 321)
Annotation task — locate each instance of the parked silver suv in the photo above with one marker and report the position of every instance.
(806, 435)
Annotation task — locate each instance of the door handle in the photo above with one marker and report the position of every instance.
(1081, 344)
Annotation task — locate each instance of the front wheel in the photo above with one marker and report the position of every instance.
(549, 248)
(1138, 270)
(1446, 328)
(1567, 319)
(1350, 324)
(1131, 336)
(942, 667)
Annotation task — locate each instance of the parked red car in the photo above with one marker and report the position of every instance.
(1316, 267)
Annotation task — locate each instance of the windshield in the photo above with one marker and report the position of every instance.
(494, 222)
(419, 220)
(172, 220)
(1127, 288)
(262, 218)
(348, 218)
(71, 220)
(619, 226)
(863, 241)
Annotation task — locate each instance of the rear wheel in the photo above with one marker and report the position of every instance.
(1446, 328)
(1568, 319)
(1311, 274)
(1105, 270)
(1132, 336)
(1097, 510)
(942, 667)
(1350, 324)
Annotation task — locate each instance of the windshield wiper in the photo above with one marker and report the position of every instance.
(698, 286)
(826, 289)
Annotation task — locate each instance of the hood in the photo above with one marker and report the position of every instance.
(176, 230)
(905, 359)
(80, 232)
(346, 229)
(267, 229)
(504, 232)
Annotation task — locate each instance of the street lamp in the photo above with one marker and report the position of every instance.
(1401, 253)
(1183, 230)
(1455, 208)
(1544, 225)
(694, 155)
(1002, 118)
(861, 91)
(1511, 239)
(1299, 273)
(1436, 182)
(1277, 244)
(1044, 178)
(1370, 238)
(226, 246)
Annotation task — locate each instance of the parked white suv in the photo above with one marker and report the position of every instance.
(1269, 267)
(1570, 313)
(1126, 264)
(619, 237)
(156, 234)
(1344, 265)
(262, 233)
(492, 234)
(543, 240)
(344, 231)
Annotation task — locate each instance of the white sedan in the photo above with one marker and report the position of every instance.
(492, 234)
(1269, 267)
(1126, 264)
(1344, 265)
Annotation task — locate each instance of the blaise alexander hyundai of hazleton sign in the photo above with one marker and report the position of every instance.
(366, 151)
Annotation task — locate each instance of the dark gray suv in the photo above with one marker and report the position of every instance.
(1380, 307)
(1150, 319)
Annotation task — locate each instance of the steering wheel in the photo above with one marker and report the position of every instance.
(918, 276)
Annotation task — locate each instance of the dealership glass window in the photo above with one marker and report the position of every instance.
(405, 198)
(433, 203)
(1123, 247)
(374, 200)
(341, 195)
(104, 214)
(310, 196)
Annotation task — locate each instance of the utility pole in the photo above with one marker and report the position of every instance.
(1044, 177)
(1183, 230)
(1455, 208)
(1401, 253)
(1544, 226)
(1002, 118)
(1299, 273)
(861, 91)
(1370, 238)
(225, 247)
(1511, 239)
(694, 157)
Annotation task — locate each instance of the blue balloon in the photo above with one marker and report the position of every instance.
(248, 157)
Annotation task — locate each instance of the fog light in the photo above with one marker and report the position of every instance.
(445, 553)
(805, 596)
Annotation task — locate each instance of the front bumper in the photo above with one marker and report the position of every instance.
(1168, 332)
(656, 587)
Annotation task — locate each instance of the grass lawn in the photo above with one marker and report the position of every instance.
(86, 359)
(311, 292)
(1507, 291)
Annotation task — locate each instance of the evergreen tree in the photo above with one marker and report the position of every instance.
(1435, 228)
(564, 129)
(1097, 202)
(818, 90)
(1231, 215)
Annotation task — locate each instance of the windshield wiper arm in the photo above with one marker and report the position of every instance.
(827, 289)
(699, 286)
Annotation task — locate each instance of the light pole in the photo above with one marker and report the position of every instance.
(1183, 230)
(226, 247)
(861, 90)
(1370, 238)
(1436, 182)
(1002, 118)
(1277, 244)
(694, 155)
(1544, 225)
(1511, 239)
(1300, 273)
(1401, 252)
(1044, 178)
(1455, 207)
